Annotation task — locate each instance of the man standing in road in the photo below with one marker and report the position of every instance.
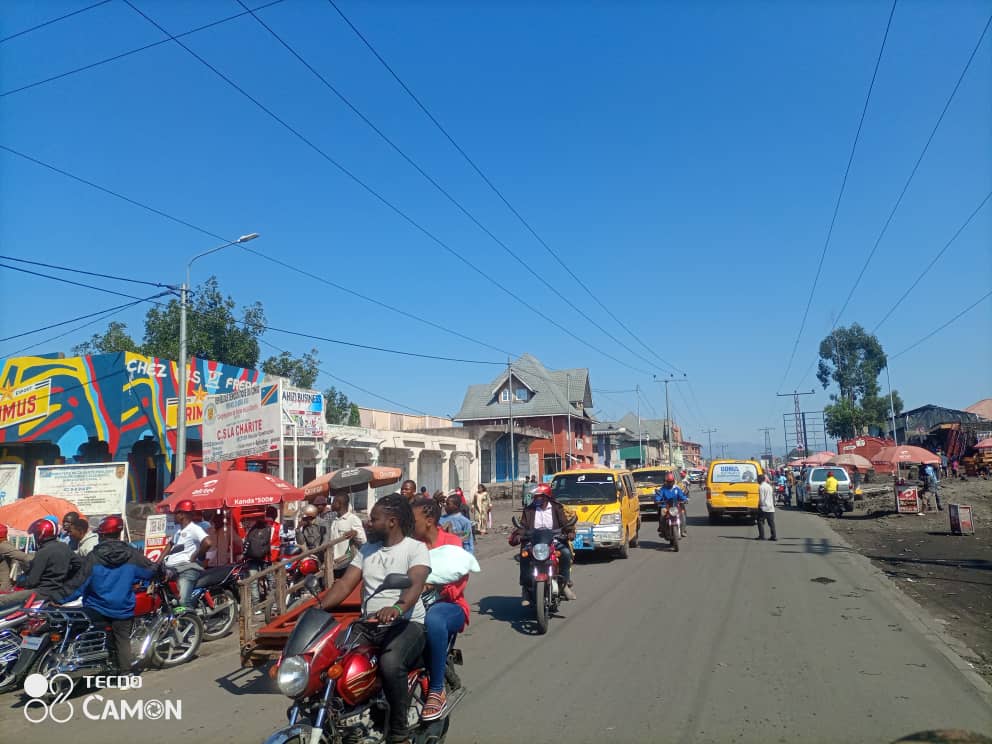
(347, 521)
(790, 485)
(933, 484)
(766, 508)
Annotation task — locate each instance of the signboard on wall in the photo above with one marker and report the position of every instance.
(97, 489)
(242, 424)
(304, 411)
(26, 403)
(10, 483)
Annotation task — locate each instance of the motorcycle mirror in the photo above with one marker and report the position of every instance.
(395, 581)
(312, 585)
(516, 523)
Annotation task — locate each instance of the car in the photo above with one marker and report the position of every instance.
(732, 489)
(697, 475)
(647, 481)
(816, 477)
(605, 503)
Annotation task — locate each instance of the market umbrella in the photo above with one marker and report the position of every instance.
(819, 458)
(904, 455)
(233, 488)
(851, 460)
(23, 512)
(371, 476)
(195, 471)
(984, 444)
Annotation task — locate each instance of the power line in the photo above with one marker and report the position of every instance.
(70, 281)
(53, 20)
(378, 196)
(115, 309)
(912, 173)
(441, 189)
(840, 196)
(935, 331)
(88, 273)
(122, 55)
(554, 254)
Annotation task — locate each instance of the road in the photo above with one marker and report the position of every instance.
(728, 640)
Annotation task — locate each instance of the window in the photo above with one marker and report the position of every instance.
(504, 395)
(579, 444)
(522, 394)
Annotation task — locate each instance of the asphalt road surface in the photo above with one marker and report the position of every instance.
(729, 640)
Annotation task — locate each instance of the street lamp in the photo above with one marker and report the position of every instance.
(183, 374)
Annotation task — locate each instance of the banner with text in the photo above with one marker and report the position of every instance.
(304, 411)
(10, 483)
(96, 489)
(242, 424)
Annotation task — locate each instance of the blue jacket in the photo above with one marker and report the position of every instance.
(108, 575)
(670, 494)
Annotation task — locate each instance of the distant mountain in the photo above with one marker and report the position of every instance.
(742, 450)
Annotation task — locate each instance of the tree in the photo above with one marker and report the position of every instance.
(114, 339)
(853, 359)
(339, 410)
(301, 372)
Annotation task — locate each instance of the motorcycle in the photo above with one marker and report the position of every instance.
(670, 516)
(215, 599)
(330, 670)
(12, 618)
(833, 503)
(71, 641)
(296, 571)
(780, 496)
(547, 586)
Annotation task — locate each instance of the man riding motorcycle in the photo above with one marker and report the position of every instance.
(544, 512)
(671, 493)
(53, 562)
(190, 545)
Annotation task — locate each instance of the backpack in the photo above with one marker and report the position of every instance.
(258, 543)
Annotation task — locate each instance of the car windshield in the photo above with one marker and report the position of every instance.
(734, 472)
(650, 477)
(820, 474)
(585, 488)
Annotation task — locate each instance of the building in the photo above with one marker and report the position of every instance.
(692, 453)
(551, 421)
(634, 442)
(374, 418)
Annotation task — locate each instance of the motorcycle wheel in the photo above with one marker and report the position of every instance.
(7, 676)
(224, 615)
(173, 646)
(673, 536)
(541, 601)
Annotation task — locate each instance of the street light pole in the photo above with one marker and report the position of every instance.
(183, 372)
(709, 434)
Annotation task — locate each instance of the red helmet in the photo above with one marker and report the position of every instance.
(186, 505)
(3, 532)
(543, 490)
(112, 525)
(669, 477)
(309, 565)
(42, 530)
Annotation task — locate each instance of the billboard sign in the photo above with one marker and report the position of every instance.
(242, 424)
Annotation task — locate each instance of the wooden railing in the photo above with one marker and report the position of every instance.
(279, 587)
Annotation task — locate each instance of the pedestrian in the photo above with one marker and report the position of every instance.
(64, 536)
(409, 490)
(347, 521)
(766, 508)
(943, 464)
(954, 467)
(227, 544)
(457, 523)
(424, 493)
(325, 515)
(790, 481)
(482, 507)
(933, 484)
(79, 532)
(440, 497)
(9, 556)
(855, 477)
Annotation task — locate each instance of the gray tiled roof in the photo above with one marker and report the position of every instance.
(551, 391)
(651, 428)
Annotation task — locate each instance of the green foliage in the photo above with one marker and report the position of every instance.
(354, 416)
(302, 371)
(115, 339)
(338, 409)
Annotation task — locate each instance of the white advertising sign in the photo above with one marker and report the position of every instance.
(10, 483)
(156, 538)
(304, 411)
(96, 489)
(242, 424)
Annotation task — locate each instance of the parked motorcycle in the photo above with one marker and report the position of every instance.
(69, 640)
(330, 670)
(296, 571)
(11, 619)
(547, 586)
(670, 515)
(215, 599)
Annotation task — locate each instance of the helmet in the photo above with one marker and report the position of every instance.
(309, 565)
(543, 490)
(309, 512)
(42, 530)
(3, 532)
(669, 477)
(112, 525)
(186, 505)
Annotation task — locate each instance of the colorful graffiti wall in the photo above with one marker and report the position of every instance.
(105, 407)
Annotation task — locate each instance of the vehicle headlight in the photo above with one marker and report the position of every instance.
(541, 551)
(610, 518)
(294, 673)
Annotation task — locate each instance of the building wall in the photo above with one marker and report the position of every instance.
(547, 452)
(374, 418)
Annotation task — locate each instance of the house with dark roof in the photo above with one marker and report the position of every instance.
(552, 422)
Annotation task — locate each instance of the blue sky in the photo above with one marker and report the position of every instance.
(684, 158)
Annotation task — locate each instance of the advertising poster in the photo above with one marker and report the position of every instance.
(908, 501)
(96, 489)
(156, 537)
(304, 411)
(242, 424)
(10, 483)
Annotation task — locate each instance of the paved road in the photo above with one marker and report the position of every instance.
(728, 640)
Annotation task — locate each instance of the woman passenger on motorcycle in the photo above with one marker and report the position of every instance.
(544, 512)
(448, 614)
(391, 550)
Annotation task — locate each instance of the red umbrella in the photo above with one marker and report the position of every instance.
(194, 471)
(851, 460)
(984, 444)
(233, 488)
(819, 458)
(904, 455)
(20, 513)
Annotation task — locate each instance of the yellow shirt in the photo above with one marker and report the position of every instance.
(831, 485)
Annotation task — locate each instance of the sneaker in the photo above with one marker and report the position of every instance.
(569, 593)
(525, 598)
(773, 539)
(759, 538)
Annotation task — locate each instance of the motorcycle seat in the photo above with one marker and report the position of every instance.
(212, 576)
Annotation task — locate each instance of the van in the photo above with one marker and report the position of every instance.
(732, 489)
(647, 481)
(605, 502)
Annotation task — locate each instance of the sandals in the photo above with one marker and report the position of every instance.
(434, 707)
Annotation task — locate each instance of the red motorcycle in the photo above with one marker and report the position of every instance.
(330, 670)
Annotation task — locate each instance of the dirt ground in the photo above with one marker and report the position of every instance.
(949, 575)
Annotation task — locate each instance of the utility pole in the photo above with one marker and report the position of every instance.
(640, 447)
(513, 449)
(768, 441)
(723, 450)
(668, 413)
(568, 408)
(709, 434)
(892, 408)
(800, 432)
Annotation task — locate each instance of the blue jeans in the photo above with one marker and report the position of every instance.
(443, 620)
(188, 573)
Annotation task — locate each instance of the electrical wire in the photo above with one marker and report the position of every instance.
(554, 254)
(115, 309)
(840, 196)
(441, 189)
(937, 330)
(70, 281)
(88, 273)
(122, 55)
(380, 197)
(53, 20)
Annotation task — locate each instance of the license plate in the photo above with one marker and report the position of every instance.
(736, 494)
(32, 643)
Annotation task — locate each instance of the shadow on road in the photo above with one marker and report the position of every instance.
(254, 681)
(510, 610)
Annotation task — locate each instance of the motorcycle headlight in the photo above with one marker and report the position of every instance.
(294, 673)
(541, 551)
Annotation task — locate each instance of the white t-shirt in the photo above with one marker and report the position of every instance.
(346, 523)
(378, 561)
(544, 519)
(189, 538)
(766, 497)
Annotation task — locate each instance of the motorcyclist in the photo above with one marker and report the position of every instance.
(106, 584)
(53, 562)
(544, 512)
(783, 483)
(189, 545)
(671, 493)
(830, 486)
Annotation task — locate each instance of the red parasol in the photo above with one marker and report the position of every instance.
(851, 460)
(819, 458)
(194, 471)
(371, 476)
(21, 513)
(984, 444)
(904, 455)
(233, 488)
